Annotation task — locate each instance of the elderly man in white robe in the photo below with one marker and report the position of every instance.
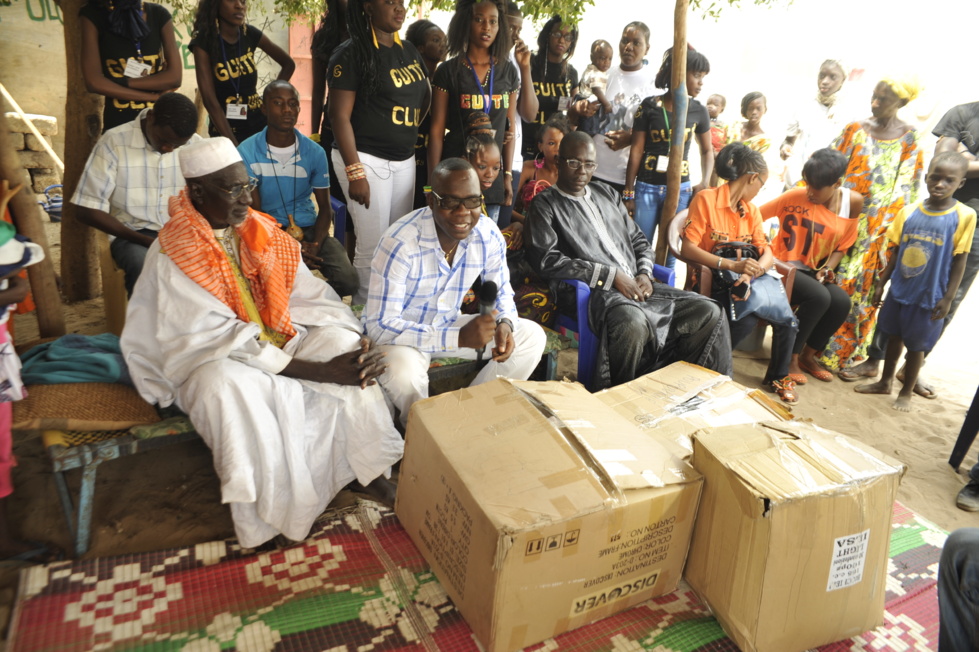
(271, 367)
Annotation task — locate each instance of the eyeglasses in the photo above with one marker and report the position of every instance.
(452, 203)
(234, 192)
(574, 164)
(563, 36)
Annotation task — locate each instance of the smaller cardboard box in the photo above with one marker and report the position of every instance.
(540, 509)
(790, 550)
(676, 401)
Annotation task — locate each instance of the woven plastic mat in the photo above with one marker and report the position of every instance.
(82, 406)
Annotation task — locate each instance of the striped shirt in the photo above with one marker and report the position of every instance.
(415, 297)
(126, 178)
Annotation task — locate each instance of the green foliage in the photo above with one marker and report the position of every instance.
(570, 10)
(713, 8)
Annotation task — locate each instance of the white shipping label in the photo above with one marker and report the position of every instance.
(849, 557)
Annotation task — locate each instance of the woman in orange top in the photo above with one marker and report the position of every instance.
(726, 214)
(817, 225)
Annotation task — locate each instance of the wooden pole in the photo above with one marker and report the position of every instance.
(83, 125)
(674, 170)
(27, 218)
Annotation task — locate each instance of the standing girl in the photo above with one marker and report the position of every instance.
(555, 79)
(429, 39)
(379, 94)
(224, 48)
(652, 134)
(129, 55)
(478, 78)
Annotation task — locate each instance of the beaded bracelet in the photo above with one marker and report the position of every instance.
(628, 194)
(355, 172)
(427, 189)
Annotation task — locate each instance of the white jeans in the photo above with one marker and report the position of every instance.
(406, 378)
(392, 185)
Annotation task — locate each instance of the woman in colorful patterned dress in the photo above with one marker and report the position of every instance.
(885, 167)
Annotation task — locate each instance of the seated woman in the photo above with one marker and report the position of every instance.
(817, 225)
(725, 214)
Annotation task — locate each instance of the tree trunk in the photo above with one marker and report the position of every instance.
(27, 218)
(83, 126)
(674, 170)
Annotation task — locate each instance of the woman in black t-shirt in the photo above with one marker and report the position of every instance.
(129, 55)
(652, 133)
(379, 94)
(429, 39)
(224, 48)
(478, 78)
(555, 79)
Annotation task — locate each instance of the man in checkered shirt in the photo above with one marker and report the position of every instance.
(422, 268)
(130, 176)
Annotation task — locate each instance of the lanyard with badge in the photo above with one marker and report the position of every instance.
(663, 162)
(136, 67)
(487, 99)
(236, 111)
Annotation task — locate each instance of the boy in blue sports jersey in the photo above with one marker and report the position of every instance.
(933, 240)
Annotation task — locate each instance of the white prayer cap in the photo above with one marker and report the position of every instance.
(206, 156)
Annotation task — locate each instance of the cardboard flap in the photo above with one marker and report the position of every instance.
(787, 461)
(611, 444)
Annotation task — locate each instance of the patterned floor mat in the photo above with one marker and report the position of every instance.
(358, 584)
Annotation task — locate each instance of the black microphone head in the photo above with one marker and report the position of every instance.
(487, 293)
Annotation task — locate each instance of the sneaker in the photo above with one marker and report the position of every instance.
(968, 498)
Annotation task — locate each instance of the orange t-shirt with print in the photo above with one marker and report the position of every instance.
(808, 233)
(712, 220)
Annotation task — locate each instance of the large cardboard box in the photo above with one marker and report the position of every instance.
(540, 509)
(676, 401)
(790, 550)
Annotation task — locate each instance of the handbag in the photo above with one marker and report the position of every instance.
(767, 299)
(724, 279)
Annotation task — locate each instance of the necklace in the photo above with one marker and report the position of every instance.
(275, 173)
(448, 254)
(228, 242)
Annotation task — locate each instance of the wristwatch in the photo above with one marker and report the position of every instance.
(506, 321)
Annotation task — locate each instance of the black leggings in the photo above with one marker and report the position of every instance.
(821, 310)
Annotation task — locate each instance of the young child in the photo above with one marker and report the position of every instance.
(718, 130)
(16, 253)
(595, 80)
(484, 154)
(595, 77)
(933, 240)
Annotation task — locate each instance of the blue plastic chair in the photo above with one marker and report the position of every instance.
(587, 340)
(52, 202)
(339, 220)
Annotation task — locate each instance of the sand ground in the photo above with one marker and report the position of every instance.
(171, 497)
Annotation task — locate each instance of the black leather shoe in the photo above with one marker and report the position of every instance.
(968, 498)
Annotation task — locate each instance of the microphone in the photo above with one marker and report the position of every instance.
(487, 303)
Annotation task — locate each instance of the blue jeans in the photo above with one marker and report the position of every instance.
(493, 212)
(129, 257)
(649, 205)
(958, 592)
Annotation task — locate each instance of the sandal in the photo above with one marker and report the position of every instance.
(785, 389)
(817, 372)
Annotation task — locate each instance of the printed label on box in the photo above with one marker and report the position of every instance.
(607, 596)
(849, 556)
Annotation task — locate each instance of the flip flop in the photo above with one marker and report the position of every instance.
(817, 372)
(848, 376)
(924, 392)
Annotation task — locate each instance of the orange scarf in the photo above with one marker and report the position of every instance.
(269, 260)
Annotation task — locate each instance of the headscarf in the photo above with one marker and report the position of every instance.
(830, 100)
(126, 19)
(907, 88)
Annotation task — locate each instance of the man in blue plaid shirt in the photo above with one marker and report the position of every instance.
(422, 268)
